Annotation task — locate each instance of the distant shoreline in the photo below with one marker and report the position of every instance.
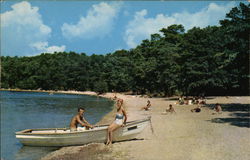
(106, 94)
(53, 91)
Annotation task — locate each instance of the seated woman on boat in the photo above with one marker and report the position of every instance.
(147, 107)
(79, 119)
(120, 121)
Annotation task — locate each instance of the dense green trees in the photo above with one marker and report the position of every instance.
(211, 61)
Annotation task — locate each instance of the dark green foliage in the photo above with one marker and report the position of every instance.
(210, 61)
(100, 87)
(236, 29)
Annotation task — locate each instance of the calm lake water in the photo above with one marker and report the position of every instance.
(26, 110)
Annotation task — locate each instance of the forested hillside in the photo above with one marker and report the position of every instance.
(211, 61)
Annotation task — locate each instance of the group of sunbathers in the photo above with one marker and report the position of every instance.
(190, 101)
(198, 101)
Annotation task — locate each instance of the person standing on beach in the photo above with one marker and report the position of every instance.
(79, 119)
(120, 121)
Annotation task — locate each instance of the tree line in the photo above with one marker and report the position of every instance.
(209, 61)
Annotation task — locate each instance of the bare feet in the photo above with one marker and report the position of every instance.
(108, 143)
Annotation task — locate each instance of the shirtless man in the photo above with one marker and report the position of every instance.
(79, 119)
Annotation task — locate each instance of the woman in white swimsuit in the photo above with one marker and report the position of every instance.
(120, 121)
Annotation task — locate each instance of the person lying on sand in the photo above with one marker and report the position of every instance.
(147, 107)
(170, 110)
(197, 109)
(120, 121)
(79, 119)
(217, 108)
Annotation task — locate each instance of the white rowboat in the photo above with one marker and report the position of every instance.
(63, 136)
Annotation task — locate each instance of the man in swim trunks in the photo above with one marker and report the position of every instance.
(79, 119)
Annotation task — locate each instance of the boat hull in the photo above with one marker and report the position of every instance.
(63, 137)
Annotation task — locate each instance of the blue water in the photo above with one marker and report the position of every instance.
(27, 110)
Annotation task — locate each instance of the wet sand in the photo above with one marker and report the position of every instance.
(184, 135)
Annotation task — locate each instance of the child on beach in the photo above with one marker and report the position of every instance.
(170, 110)
(217, 108)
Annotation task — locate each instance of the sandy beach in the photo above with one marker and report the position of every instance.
(184, 135)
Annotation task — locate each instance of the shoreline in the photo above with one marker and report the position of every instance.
(183, 135)
(90, 93)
